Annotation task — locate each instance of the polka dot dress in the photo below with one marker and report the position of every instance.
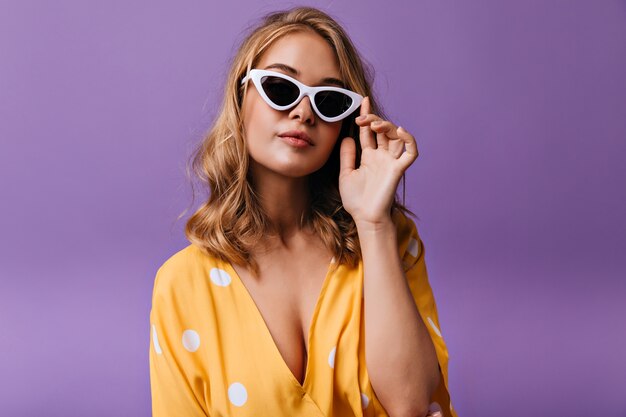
(211, 353)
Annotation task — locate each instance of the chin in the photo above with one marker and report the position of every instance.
(296, 169)
(290, 167)
(295, 172)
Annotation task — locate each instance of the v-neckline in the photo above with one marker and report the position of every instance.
(302, 386)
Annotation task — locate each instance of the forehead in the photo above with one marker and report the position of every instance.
(307, 52)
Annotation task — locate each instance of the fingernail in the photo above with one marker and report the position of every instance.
(362, 117)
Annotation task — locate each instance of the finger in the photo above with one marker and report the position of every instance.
(367, 119)
(396, 147)
(386, 127)
(347, 156)
(366, 136)
(410, 154)
(385, 130)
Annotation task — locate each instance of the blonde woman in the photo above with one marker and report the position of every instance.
(304, 290)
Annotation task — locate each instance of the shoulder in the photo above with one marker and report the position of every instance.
(184, 259)
(405, 226)
(410, 244)
(182, 270)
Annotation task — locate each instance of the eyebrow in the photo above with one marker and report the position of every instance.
(293, 71)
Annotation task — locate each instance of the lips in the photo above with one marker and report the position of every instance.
(297, 134)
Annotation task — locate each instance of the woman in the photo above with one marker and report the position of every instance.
(301, 262)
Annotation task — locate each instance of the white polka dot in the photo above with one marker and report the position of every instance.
(432, 324)
(331, 357)
(413, 247)
(155, 341)
(364, 400)
(220, 277)
(434, 406)
(237, 394)
(191, 340)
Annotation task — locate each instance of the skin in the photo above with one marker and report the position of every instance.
(280, 172)
(403, 385)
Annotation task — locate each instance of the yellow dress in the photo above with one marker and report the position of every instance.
(211, 353)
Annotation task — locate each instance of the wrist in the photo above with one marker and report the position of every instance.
(383, 225)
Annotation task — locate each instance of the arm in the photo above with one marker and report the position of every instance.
(173, 381)
(400, 355)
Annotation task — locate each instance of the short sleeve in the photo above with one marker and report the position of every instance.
(412, 252)
(176, 388)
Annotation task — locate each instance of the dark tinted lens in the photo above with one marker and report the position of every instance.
(332, 103)
(280, 91)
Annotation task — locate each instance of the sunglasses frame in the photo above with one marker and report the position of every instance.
(304, 90)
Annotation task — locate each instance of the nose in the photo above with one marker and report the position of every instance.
(303, 110)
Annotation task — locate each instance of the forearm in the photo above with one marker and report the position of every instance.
(400, 355)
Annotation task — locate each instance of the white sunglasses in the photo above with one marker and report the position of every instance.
(282, 92)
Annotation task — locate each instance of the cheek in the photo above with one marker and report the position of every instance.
(258, 120)
(333, 133)
(253, 108)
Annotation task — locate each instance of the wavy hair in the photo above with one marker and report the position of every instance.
(231, 222)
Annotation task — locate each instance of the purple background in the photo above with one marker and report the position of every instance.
(519, 110)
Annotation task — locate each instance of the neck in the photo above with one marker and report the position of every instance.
(285, 200)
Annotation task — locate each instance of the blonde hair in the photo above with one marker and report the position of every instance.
(231, 222)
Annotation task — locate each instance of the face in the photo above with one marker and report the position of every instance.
(314, 59)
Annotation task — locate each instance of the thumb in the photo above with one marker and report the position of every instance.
(347, 156)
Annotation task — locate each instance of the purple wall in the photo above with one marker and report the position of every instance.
(519, 109)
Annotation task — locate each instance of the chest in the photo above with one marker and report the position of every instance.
(286, 294)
